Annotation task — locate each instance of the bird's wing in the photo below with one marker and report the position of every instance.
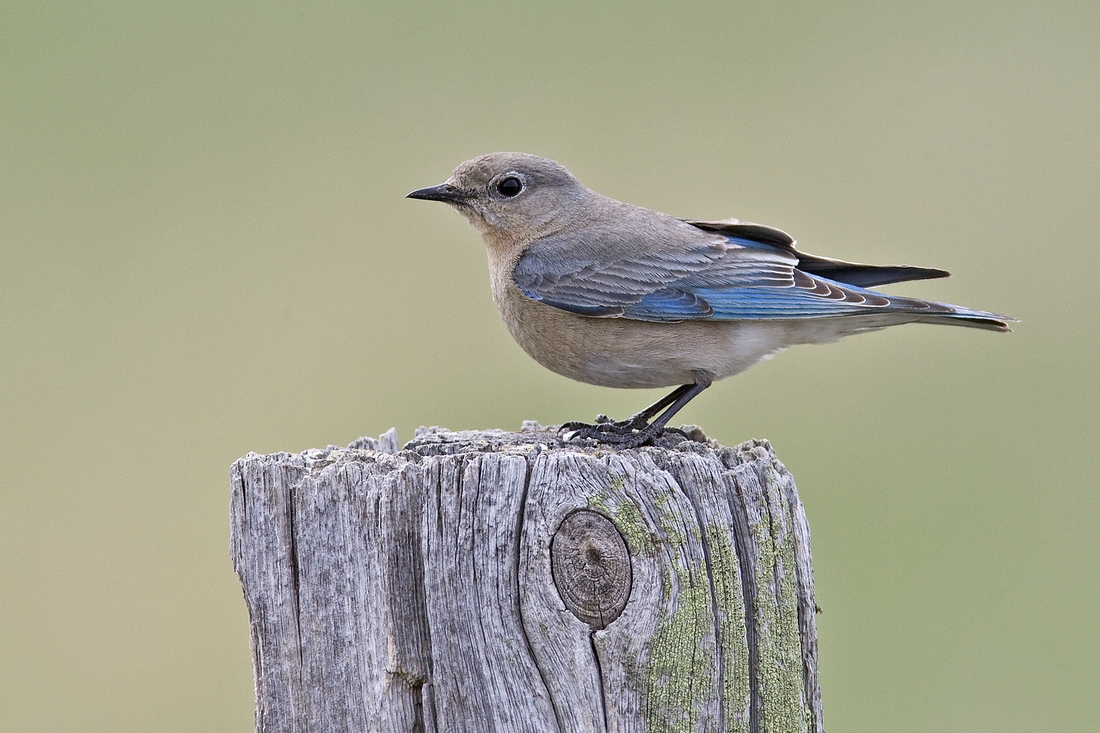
(849, 273)
(719, 278)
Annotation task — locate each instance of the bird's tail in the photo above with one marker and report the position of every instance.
(911, 310)
(953, 315)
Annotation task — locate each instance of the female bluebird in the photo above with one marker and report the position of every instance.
(618, 295)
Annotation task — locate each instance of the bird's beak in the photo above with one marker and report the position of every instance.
(444, 192)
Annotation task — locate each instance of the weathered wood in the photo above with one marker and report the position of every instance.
(492, 581)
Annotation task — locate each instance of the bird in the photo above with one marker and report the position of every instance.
(618, 295)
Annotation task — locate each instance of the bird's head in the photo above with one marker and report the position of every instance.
(511, 197)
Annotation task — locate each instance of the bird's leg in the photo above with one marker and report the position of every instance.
(641, 419)
(638, 430)
(635, 422)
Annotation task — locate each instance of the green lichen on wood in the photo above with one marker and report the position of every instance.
(732, 632)
(682, 667)
(684, 644)
(626, 516)
(681, 671)
(780, 651)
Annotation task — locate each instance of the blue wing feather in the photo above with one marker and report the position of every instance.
(726, 277)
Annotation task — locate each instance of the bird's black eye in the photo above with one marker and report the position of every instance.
(510, 186)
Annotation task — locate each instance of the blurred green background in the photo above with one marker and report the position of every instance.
(205, 251)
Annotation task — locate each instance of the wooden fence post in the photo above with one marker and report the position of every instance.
(493, 581)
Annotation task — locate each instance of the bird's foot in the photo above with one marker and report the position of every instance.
(631, 433)
(607, 425)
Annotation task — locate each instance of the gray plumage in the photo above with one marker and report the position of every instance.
(618, 295)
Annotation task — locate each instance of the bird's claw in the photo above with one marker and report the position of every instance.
(622, 433)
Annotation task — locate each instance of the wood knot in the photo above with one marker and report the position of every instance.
(591, 567)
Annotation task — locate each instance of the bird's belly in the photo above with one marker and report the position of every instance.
(617, 352)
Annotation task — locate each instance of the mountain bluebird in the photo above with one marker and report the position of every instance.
(618, 295)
